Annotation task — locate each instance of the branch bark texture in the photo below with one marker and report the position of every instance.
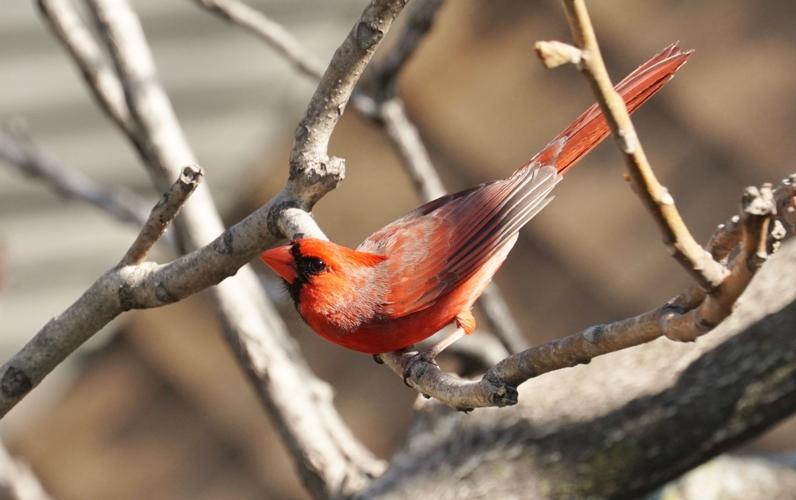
(624, 424)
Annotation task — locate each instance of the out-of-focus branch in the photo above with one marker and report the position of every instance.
(120, 203)
(17, 481)
(98, 73)
(696, 261)
(378, 101)
(272, 33)
(160, 139)
(419, 21)
(163, 214)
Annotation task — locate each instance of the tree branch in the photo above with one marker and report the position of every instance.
(121, 204)
(100, 77)
(162, 215)
(309, 157)
(699, 264)
(696, 261)
(624, 424)
(272, 33)
(330, 460)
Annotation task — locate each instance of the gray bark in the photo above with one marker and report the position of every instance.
(622, 425)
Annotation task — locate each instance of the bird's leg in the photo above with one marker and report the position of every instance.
(465, 325)
(445, 342)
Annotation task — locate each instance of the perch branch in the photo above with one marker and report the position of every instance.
(162, 214)
(122, 204)
(699, 263)
(674, 320)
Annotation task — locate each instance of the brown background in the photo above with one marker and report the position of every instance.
(139, 416)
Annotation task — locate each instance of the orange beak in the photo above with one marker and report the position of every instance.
(281, 261)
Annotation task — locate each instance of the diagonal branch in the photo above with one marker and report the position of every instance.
(100, 77)
(330, 460)
(696, 261)
(272, 33)
(163, 214)
(122, 204)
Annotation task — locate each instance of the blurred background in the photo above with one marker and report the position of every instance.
(133, 415)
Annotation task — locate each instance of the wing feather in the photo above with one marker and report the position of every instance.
(440, 245)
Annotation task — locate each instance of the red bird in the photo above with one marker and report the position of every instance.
(424, 271)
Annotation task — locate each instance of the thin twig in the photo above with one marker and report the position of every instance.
(272, 33)
(699, 263)
(384, 74)
(98, 73)
(120, 203)
(162, 214)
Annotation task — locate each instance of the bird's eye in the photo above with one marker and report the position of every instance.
(313, 265)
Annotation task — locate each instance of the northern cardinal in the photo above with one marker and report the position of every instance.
(424, 271)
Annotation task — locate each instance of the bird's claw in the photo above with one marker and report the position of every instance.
(422, 356)
(377, 359)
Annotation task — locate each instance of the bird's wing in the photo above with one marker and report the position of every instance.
(435, 248)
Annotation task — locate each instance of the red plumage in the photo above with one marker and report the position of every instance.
(416, 275)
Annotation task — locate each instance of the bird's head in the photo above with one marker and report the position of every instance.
(319, 264)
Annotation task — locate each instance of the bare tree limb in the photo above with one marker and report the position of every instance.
(622, 425)
(163, 144)
(309, 157)
(419, 21)
(330, 460)
(162, 215)
(98, 73)
(122, 204)
(696, 261)
(380, 104)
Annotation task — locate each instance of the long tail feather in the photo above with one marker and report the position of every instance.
(590, 128)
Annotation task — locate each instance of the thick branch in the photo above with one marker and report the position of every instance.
(329, 458)
(683, 318)
(624, 424)
(309, 158)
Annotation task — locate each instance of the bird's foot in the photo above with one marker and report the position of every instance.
(420, 357)
(377, 359)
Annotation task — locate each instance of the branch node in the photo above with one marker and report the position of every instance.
(501, 393)
(554, 53)
(15, 383)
